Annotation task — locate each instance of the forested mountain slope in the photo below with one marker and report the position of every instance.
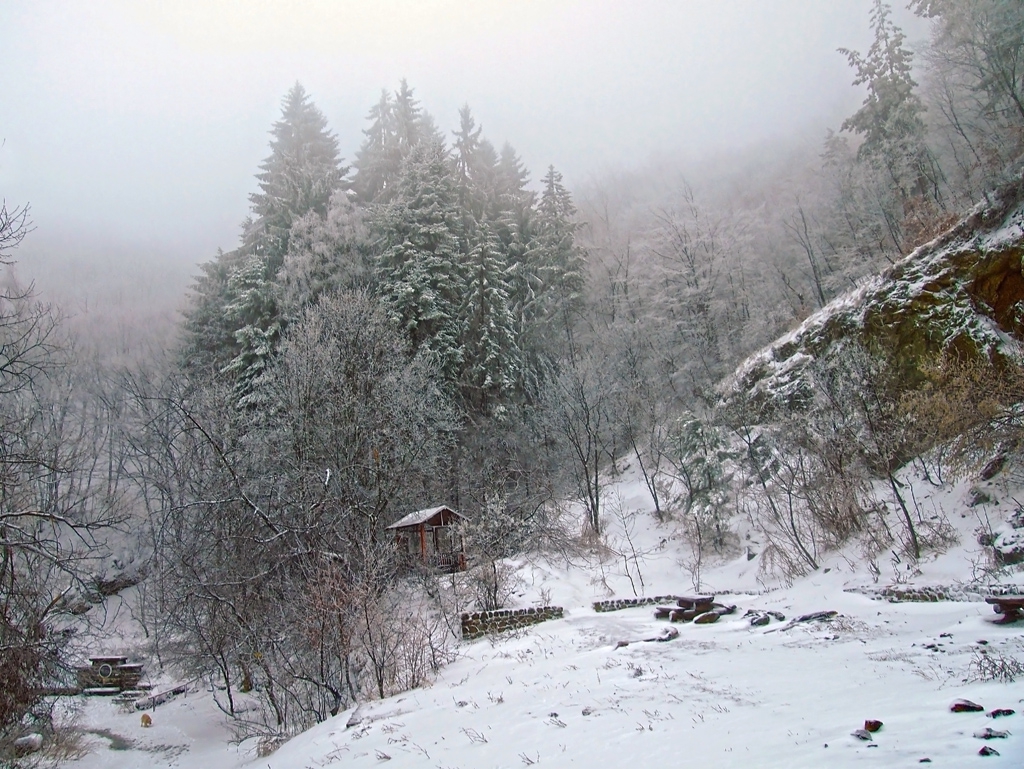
(959, 296)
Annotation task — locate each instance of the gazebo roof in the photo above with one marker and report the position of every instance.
(422, 516)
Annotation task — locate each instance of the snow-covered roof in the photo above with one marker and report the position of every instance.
(421, 516)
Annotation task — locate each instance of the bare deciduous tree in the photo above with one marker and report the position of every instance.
(253, 508)
(55, 500)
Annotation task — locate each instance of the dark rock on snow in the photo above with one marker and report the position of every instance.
(999, 712)
(988, 733)
(966, 706)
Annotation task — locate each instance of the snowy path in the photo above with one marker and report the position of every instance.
(723, 695)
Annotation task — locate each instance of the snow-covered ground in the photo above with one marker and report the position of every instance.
(568, 693)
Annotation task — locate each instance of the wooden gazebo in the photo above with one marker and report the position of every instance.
(429, 536)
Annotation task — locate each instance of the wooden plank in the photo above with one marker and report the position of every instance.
(1010, 606)
(57, 691)
(1006, 600)
(692, 601)
(159, 698)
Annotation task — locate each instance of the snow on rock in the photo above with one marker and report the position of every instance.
(962, 292)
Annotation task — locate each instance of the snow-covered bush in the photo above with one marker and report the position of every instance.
(489, 538)
(700, 458)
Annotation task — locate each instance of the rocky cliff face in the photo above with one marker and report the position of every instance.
(962, 294)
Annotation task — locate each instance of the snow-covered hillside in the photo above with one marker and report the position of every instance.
(620, 688)
(960, 293)
(569, 693)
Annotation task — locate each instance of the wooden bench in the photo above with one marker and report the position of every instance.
(1010, 606)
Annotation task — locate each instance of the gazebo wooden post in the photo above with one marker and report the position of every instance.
(439, 520)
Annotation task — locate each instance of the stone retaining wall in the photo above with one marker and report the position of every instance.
(933, 593)
(480, 623)
(628, 603)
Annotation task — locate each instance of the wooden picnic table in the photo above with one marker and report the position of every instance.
(1010, 606)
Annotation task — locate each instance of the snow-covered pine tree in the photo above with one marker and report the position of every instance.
(476, 164)
(419, 273)
(412, 124)
(561, 262)
(512, 181)
(514, 216)
(467, 142)
(236, 296)
(515, 225)
(207, 332)
(253, 311)
(300, 175)
(491, 354)
(397, 125)
(892, 125)
(376, 169)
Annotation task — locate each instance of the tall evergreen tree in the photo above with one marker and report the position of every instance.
(490, 348)
(208, 334)
(467, 142)
(376, 167)
(397, 125)
(546, 269)
(515, 227)
(561, 261)
(410, 128)
(891, 117)
(419, 272)
(300, 175)
(476, 164)
(514, 208)
(234, 322)
(254, 311)
(512, 180)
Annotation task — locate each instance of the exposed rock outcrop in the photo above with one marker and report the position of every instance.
(962, 293)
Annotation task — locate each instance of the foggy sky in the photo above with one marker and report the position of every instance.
(144, 121)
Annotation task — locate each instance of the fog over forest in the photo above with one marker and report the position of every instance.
(137, 127)
(285, 282)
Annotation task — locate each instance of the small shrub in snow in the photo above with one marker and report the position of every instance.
(268, 744)
(991, 665)
(489, 538)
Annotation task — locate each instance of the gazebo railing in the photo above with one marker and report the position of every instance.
(450, 562)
